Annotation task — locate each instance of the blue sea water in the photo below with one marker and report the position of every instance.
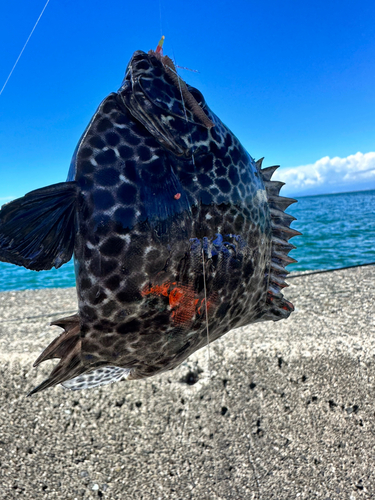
(338, 230)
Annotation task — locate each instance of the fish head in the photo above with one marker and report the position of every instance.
(175, 113)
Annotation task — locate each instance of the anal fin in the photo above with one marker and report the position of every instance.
(67, 347)
(70, 372)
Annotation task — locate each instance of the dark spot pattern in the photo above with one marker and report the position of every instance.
(106, 157)
(125, 152)
(125, 217)
(106, 177)
(104, 125)
(97, 142)
(103, 199)
(127, 194)
(112, 247)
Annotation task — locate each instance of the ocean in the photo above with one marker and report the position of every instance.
(338, 230)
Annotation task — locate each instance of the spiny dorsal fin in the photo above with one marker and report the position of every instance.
(280, 202)
(278, 306)
(279, 268)
(278, 280)
(273, 187)
(258, 164)
(284, 231)
(283, 256)
(283, 245)
(282, 216)
(268, 172)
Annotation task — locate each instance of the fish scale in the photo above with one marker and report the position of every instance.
(157, 183)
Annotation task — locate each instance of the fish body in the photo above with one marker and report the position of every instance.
(178, 234)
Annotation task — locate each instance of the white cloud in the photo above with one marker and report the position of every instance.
(329, 175)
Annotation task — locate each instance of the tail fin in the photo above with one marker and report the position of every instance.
(67, 347)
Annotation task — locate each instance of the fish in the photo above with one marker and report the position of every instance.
(178, 234)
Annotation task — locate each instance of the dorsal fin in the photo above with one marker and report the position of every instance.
(268, 172)
(278, 306)
(280, 202)
(273, 187)
(258, 164)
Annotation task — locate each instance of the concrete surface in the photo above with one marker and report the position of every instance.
(288, 412)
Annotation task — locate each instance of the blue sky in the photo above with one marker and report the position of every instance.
(294, 80)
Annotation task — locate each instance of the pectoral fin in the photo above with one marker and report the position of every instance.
(37, 231)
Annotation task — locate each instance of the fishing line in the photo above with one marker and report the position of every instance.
(206, 309)
(203, 260)
(183, 103)
(193, 161)
(39, 316)
(208, 342)
(24, 47)
(288, 278)
(161, 23)
(330, 270)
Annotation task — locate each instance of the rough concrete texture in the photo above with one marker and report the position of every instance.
(287, 413)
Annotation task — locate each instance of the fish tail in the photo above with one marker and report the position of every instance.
(67, 347)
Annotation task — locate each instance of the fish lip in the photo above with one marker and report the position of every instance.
(137, 56)
(155, 62)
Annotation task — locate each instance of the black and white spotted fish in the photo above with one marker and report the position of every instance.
(173, 227)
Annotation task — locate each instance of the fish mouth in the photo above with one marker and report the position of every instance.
(193, 99)
(157, 97)
(186, 95)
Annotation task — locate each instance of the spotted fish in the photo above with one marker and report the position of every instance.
(176, 231)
